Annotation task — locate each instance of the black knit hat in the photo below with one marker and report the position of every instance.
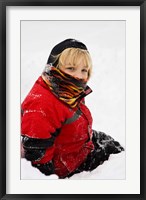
(68, 43)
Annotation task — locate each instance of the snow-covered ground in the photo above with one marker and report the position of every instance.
(113, 169)
(106, 43)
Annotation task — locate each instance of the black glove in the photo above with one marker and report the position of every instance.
(34, 149)
(47, 168)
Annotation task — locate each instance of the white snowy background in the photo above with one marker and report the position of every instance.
(106, 43)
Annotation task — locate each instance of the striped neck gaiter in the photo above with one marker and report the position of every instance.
(67, 88)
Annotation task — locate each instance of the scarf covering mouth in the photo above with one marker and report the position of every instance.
(67, 88)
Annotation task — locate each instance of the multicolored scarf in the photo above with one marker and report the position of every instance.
(67, 88)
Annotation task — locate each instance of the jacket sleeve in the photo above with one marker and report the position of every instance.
(41, 121)
(40, 124)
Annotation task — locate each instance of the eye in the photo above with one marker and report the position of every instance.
(70, 68)
(85, 70)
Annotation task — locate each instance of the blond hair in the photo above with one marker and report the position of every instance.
(73, 56)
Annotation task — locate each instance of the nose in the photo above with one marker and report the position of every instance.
(78, 75)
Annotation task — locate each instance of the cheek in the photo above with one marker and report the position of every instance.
(68, 72)
(65, 70)
(85, 76)
(61, 68)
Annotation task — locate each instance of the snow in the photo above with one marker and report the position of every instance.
(106, 44)
(113, 169)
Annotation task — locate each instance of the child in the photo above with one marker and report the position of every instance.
(57, 135)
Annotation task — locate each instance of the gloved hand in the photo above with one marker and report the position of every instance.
(47, 168)
(34, 149)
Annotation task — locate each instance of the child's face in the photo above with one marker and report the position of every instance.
(78, 71)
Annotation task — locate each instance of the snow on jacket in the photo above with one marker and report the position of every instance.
(44, 116)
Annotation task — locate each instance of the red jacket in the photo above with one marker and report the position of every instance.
(43, 114)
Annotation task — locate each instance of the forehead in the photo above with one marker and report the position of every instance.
(78, 60)
(74, 57)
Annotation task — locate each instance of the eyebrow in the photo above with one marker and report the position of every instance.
(86, 66)
(69, 64)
